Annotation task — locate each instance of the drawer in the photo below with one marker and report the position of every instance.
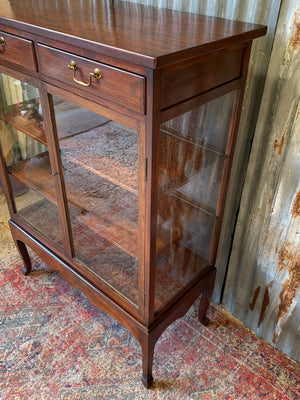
(17, 50)
(115, 85)
(205, 73)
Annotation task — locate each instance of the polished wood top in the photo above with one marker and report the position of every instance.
(137, 33)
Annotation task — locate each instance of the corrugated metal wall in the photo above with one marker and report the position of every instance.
(261, 279)
(263, 283)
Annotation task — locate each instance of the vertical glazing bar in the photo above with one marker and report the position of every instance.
(6, 184)
(141, 218)
(152, 153)
(233, 131)
(56, 166)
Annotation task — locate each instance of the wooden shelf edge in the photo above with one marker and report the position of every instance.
(11, 122)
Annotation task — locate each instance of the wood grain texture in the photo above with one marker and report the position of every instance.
(17, 51)
(116, 85)
(151, 36)
(207, 73)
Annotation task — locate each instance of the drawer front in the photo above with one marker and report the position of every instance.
(117, 86)
(182, 82)
(17, 50)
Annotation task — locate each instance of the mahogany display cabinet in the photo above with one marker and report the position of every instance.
(118, 123)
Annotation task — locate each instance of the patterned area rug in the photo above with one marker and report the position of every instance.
(54, 344)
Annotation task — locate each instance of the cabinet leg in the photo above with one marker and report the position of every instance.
(205, 298)
(203, 306)
(147, 350)
(25, 257)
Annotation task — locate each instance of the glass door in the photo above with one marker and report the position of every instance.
(99, 157)
(25, 150)
(192, 159)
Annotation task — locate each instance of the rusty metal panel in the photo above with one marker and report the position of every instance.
(263, 282)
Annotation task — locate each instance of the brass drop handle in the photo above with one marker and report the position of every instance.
(2, 41)
(96, 74)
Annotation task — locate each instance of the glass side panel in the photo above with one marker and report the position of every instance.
(21, 108)
(205, 125)
(99, 158)
(191, 159)
(25, 151)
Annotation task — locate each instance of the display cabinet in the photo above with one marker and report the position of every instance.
(118, 124)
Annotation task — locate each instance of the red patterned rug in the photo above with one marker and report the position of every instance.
(54, 344)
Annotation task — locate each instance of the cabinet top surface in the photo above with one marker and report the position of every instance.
(148, 35)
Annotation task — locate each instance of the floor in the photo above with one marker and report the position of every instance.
(55, 345)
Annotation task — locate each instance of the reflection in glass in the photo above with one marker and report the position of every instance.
(25, 151)
(191, 159)
(20, 108)
(99, 158)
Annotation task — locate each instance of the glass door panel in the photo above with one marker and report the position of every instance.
(99, 158)
(191, 160)
(26, 155)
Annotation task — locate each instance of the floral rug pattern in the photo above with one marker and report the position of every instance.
(54, 344)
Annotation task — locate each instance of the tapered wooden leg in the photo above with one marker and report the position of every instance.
(205, 298)
(25, 257)
(203, 306)
(147, 349)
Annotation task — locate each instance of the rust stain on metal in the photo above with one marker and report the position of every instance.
(265, 303)
(296, 38)
(275, 337)
(279, 144)
(255, 296)
(267, 237)
(253, 216)
(290, 285)
(285, 298)
(296, 205)
(269, 199)
(284, 257)
(290, 261)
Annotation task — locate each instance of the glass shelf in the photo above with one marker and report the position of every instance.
(35, 172)
(100, 167)
(107, 209)
(195, 191)
(207, 125)
(181, 224)
(172, 274)
(42, 214)
(29, 122)
(108, 150)
(105, 259)
(25, 151)
(189, 171)
(192, 157)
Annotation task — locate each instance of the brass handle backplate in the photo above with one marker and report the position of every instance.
(2, 41)
(95, 74)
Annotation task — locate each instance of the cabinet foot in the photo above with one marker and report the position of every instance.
(147, 382)
(25, 257)
(205, 298)
(147, 352)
